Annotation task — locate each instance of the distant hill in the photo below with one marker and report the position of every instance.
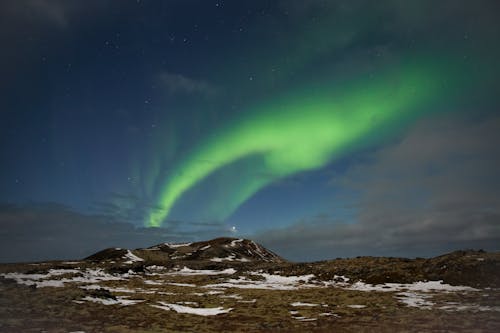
(219, 250)
(474, 268)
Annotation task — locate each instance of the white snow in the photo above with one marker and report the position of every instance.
(96, 275)
(189, 271)
(49, 283)
(415, 300)
(118, 290)
(453, 306)
(235, 296)
(341, 277)
(356, 306)
(206, 247)
(20, 278)
(81, 276)
(233, 243)
(155, 268)
(197, 311)
(178, 257)
(108, 301)
(231, 257)
(302, 304)
(132, 257)
(56, 272)
(31, 279)
(260, 251)
(412, 294)
(428, 286)
(152, 282)
(270, 281)
(188, 303)
(305, 319)
(181, 284)
(211, 292)
(172, 245)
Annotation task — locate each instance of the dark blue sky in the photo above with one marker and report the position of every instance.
(109, 107)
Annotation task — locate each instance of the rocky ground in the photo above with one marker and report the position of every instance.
(230, 285)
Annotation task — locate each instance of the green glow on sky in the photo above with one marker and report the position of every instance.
(303, 131)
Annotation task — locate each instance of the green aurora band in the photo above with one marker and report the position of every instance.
(306, 131)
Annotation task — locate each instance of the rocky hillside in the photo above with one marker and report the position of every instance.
(472, 268)
(219, 250)
(465, 267)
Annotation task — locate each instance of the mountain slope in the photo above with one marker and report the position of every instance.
(219, 250)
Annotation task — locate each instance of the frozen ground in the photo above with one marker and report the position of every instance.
(417, 294)
(140, 296)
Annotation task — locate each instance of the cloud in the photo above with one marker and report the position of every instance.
(38, 232)
(436, 190)
(55, 12)
(180, 84)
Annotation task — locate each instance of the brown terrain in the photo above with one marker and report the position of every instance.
(233, 285)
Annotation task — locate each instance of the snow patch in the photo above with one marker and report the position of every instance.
(43, 280)
(211, 292)
(155, 268)
(188, 303)
(174, 246)
(231, 257)
(181, 284)
(453, 306)
(118, 290)
(197, 311)
(132, 257)
(235, 296)
(305, 319)
(412, 294)
(428, 286)
(189, 271)
(415, 300)
(302, 304)
(109, 301)
(233, 243)
(271, 281)
(152, 282)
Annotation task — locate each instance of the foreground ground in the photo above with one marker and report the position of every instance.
(344, 295)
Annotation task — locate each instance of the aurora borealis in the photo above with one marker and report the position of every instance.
(356, 128)
(302, 133)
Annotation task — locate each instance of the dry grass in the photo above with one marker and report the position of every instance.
(30, 309)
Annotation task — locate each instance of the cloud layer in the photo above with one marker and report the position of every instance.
(38, 232)
(435, 190)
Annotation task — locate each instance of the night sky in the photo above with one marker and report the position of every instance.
(321, 129)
